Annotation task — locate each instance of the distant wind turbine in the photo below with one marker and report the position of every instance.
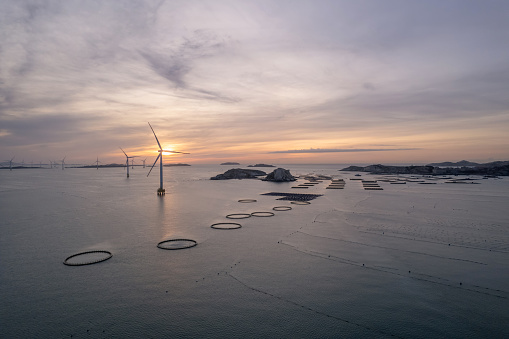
(10, 164)
(63, 162)
(97, 163)
(144, 162)
(160, 190)
(127, 160)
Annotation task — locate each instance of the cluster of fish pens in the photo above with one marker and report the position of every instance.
(427, 180)
(336, 184)
(315, 180)
(369, 185)
(294, 198)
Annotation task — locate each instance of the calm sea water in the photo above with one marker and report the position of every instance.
(411, 261)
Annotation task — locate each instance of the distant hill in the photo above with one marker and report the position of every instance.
(261, 165)
(179, 164)
(494, 164)
(230, 163)
(462, 163)
(496, 168)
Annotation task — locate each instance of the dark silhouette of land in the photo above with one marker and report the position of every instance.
(496, 168)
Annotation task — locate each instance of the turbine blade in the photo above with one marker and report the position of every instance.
(155, 136)
(175, 152)
(122, 150)
(154, 164)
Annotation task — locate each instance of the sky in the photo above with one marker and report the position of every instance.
(364, 81)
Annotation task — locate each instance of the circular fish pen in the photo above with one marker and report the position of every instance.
(247, 200)
(226, 226)
(300, 202)
(87, 258)
(176, 244)
(282, 208)
(262, 214)
(238, 216)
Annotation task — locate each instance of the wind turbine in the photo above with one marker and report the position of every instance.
(160, 190)
(144, 162)
(97, 162)
(63, 162)
(10, 164)
(127, 160)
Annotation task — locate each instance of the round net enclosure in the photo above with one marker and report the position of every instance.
(176, 244)
(247, 200)
(238, 216)
(282, 208)
(87, 258)
(226, 226)
(300, 202)
(262, 214)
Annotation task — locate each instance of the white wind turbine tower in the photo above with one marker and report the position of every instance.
(127, 160)
(160, 190)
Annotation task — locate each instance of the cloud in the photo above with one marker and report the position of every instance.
(344, 150)
(254, 76)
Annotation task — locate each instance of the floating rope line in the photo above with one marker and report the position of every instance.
(226, 226)
(176, 244)
(66, 261)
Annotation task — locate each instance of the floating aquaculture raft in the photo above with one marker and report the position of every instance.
(294, 196)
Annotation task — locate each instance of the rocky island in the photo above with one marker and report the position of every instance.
(239, 173)
(230, 163)
(497, 168)
(261, 165)
(462, 163)
(280, 175)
